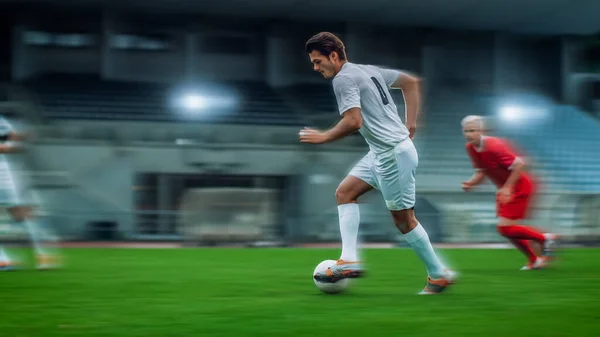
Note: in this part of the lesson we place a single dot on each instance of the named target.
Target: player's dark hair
(326, 43)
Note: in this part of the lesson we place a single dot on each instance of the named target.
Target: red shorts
(518, 206)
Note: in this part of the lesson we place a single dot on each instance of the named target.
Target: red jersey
(495, 158)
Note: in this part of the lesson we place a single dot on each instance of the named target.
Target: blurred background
(176, 120)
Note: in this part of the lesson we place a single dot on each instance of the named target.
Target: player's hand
(312, 136)
(466, 186)
(504, 195)
(412, 128)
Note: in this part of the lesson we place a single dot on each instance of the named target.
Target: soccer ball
(329, 288)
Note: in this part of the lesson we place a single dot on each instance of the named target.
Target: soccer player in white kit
(19, 199)
(364, 101)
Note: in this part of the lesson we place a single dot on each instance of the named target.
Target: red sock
(523, 246)
(521, 233)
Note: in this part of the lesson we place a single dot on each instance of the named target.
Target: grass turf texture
(270, 292)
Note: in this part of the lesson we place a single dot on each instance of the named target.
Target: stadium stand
(564, 158)
(315, 99)
(85, 97)
(568, 145)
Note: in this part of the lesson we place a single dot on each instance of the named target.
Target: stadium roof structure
(519, 16)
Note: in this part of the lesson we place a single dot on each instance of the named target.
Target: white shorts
(393, 173)
(15, 193)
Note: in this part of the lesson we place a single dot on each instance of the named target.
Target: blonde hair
(473, 119)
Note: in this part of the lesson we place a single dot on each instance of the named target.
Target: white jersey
(5, 129)
(367, 87)
(13, 187)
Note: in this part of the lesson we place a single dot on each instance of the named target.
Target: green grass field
(270, 292)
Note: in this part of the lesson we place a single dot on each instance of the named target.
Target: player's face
(472, 133)
(323, 64)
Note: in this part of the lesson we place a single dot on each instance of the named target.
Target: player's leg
(510, 215)
(6, 263)
(23, 215)
(358, 182)
(417, 238)
(439, 276)
(6, 197)
(347, 194)
(523, 245)
(520, 233)
(396, 173)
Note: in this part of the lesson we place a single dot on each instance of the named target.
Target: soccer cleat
(47, 262)
(540, 263)
(549, 248)
(8, 266)
(341, 270)
(436, 286)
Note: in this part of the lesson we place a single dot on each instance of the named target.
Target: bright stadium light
(203, 102)
(511, 113)
(194, 102)
(524, 111)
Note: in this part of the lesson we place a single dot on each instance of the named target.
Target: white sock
(35, 234)
(419, 242)
(349, 221)
(3, 257)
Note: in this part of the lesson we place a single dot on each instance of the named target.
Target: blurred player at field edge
(18, 198)
(494, 158)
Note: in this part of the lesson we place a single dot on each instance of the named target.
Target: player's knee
(343, 196)
(18, 213)
(405, 220)
(502, 228)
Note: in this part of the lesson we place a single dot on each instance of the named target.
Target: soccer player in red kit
(495, 159)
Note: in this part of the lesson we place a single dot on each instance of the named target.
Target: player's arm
(516, 169)
(17, 136)
(8, 142)
(348, 98)
(9, 138)
(507, 158)
(350, 123)
(477, 178)
(9, 148)
(411, 89)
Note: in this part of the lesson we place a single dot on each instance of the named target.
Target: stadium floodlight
(528, 111)
(511, 113)
(194, 102)
(531, 115)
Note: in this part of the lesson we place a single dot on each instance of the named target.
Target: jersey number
(382, 93)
